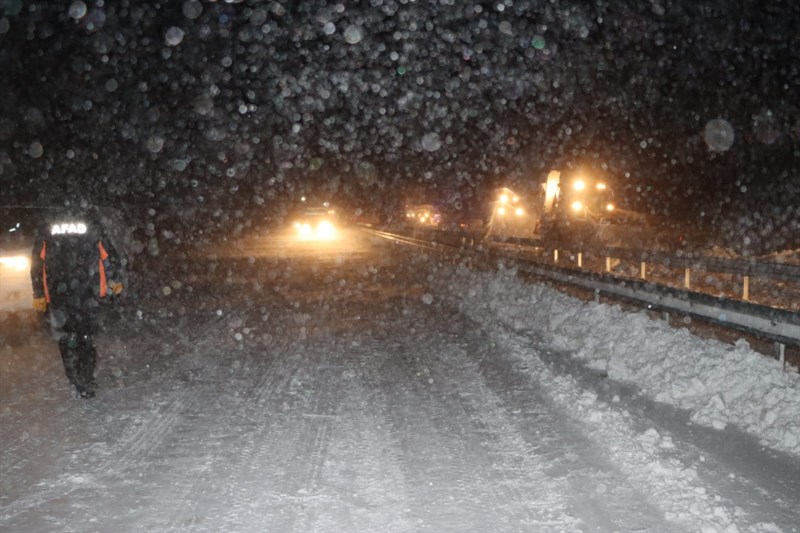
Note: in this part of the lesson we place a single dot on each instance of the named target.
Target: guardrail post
(665, 315)
(780, 353)
(608, 264)
(555, 256)
(643, 274)
(687, 278)
(746, 288)
(580, 259)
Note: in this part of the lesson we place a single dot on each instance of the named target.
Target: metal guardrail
(775, 324)
(779, 325)
(681, 259)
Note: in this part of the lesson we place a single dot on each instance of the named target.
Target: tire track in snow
(468, 473)
(318, 423)
(343, 478)
(134, 447)
(248, 483)
(360, 478)
(242, 421)
(154, 429)
(273, 474)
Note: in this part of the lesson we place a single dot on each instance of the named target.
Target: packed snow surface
(366, 387)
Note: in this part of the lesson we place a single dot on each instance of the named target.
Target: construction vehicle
(576, 210)
(579, 212)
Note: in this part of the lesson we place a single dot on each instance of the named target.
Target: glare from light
(579, 185)
(325, 230)
(501, 211)
(601, 186)
(503, 198)
(515, 199)
(304, 230)
(16, 262)
(577, 205)
(551, 189)
(609, 207)
(519, 211)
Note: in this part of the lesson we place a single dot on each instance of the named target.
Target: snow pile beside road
(644, 456)
(720, 384)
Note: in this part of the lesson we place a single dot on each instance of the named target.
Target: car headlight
(16, 262)
(303, 229)
(325, 230)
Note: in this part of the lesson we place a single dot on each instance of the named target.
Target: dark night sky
(221, 105)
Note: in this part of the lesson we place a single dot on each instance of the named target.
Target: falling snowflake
(77, 10)
(192, 9)
(719, 135)
(431, 142)
(353, 34)
(173, 36)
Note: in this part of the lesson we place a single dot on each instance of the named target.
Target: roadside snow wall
(718, 383)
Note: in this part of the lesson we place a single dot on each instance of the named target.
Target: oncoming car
(317, 223)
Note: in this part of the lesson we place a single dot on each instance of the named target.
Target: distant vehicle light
(501, 211)
(610, 207)
(16, 262)
(305, 230)
(515, 199)
(577, 205)
(325, 230)
(519, 211)
(601, 186)
(579, 185)
(315, 230)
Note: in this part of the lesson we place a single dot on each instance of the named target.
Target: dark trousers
(74, 328)
(79, 356)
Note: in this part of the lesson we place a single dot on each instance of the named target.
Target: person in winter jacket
(73, 268)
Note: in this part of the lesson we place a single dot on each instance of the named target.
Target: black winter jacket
(72, 260)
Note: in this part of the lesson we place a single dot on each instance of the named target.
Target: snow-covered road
(279, 387)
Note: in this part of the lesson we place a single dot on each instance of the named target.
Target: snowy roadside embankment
(718, 383)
